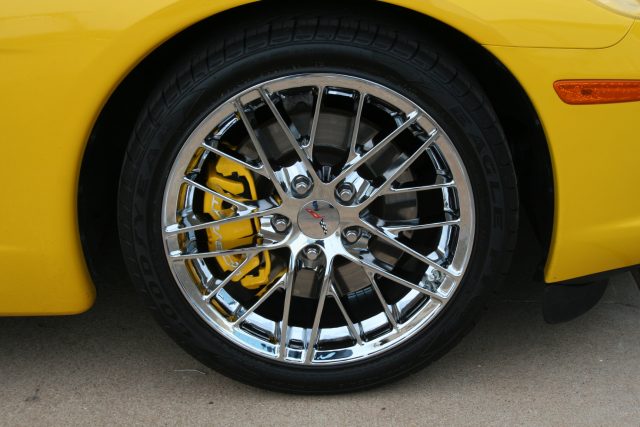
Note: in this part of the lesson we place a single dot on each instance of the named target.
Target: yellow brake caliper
(228, 178)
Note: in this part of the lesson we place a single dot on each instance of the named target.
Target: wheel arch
(106, 146)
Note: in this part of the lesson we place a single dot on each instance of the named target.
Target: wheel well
(106, 148)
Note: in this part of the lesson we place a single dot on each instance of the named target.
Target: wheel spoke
(287, 131)
(359, 160)
(314, 122)
(257, 169)
(393, 241)
(227, 279)
(177, 256)
(356, 127)
(383, 302)
(393, 190)
(196, 225)
(280, 188)
(398, 228)
(241, 206)
(279, 284)
(326, 285)
(373, 267)
(347, 318)
(398, 169)
(284, 325)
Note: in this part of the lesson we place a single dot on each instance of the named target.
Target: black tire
(246, 53)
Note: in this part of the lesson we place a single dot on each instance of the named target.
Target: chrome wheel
(318, 219)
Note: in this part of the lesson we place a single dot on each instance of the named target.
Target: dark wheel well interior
(106, 148)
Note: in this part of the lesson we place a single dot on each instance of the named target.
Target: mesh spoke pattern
(375, 175)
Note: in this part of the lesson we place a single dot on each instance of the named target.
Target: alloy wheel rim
(321, 215)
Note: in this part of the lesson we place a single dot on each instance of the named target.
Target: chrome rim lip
(367, 349)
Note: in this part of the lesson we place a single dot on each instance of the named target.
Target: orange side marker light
(581, 92)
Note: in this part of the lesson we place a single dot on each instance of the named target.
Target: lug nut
(280, 223)
(345, 192)
(312, 252)
(351, 235)
(301, 184)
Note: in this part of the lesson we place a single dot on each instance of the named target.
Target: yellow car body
(61, 60)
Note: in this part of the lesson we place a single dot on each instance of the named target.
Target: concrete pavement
(114, 366)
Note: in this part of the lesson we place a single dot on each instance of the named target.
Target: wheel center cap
(318, 219)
